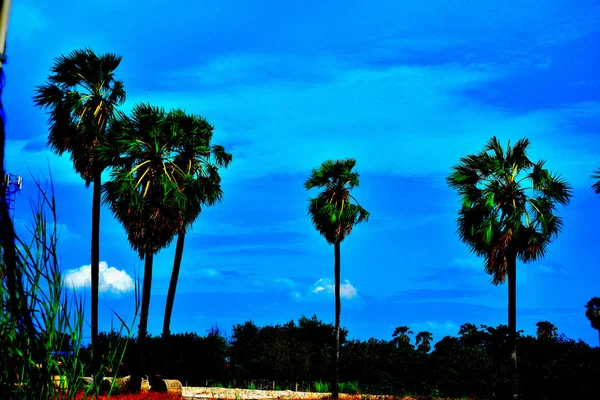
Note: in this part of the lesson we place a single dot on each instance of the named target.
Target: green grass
(321, 387)
(349, 387)
(252, 386)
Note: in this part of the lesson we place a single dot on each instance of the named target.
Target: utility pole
(3, 27)
(4, 12)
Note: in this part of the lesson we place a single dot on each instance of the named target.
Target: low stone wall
(247, 394)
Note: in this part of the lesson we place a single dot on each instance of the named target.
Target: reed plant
(41, 320)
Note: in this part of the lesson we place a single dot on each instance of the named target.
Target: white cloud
(247, 69)
(111, 279)
(274, 284)
(467, 263)
(209, 273)
(437, 328)
(325, 287)
(284, 282)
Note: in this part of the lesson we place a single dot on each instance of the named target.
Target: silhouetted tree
(546, 330)
(596, 185)
(502, 219)
(423, 341)
(334, 214)
(592, 313)
(82, 96)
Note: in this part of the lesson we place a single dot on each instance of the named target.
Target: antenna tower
(13, 185)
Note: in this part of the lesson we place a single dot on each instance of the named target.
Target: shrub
(349, 387)
(321, 387)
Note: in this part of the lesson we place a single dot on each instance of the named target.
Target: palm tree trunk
(135, 383)
(512, 322)
(95, 257)
(143, 328)
(338, 309)
(173, 284)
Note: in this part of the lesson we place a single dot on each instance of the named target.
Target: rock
(87, 381)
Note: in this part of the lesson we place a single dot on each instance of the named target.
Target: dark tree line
(475, 363)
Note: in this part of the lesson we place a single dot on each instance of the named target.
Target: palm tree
(546, 330)
(423, 341)
(592, 312)
(334, 215)
(201, 185)
(82, 95)
(596, 185)
(502, 220)
(145, 192)
(400, 336)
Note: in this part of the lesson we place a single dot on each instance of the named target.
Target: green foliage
(252, 386)
(81, 96)
(592, 312)
(474, 364)
(596, 185)
(508, 205)
(293, 351)
(332, 211)
(349, 387)
(143, 192)
(546, 330)
(423, 340)
(321, 387)
(41, 323)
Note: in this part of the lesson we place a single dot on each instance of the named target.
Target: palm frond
(596, 185)
(494, 145)
(516, 156)
(498, 218)
(81, 96)
(333, 213)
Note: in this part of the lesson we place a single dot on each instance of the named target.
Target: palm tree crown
(592, 312)
(146, 187)
(197, 162)
(333, 214)
(82, 95)
(500, 217)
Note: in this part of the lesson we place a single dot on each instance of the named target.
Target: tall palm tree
(145, 192)
(334, 215)
(596, 185)
(592, 312)
(82, 96)
(201, 185)
(502, 219)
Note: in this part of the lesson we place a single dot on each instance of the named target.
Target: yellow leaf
(147, 187)
(138, 166)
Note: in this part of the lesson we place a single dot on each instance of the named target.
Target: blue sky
(406, 88)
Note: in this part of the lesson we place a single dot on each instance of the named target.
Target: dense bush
(475, 363)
